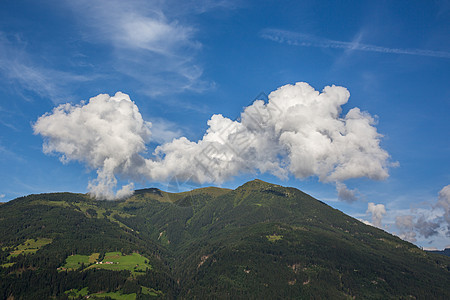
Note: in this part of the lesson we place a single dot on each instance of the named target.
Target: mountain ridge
(259, 240)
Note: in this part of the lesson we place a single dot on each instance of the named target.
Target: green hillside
(260, 241)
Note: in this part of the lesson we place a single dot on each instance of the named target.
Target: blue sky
(181, 62)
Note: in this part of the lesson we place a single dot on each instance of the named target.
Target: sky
(347, 101)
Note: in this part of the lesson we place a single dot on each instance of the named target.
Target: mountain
(446, 251)
(259, 241)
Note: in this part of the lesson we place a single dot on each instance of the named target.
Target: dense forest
(260, 241)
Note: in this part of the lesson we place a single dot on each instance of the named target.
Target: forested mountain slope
(260, 241)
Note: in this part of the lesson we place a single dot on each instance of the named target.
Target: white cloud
(427, 222)
(157, 51)
(307, 40)
(365, 222)
(153, 34)
(425, 227)
(17, 66)
(377, 211)
(444, 203)
(133, 24)
(406, 225)
(409, 236)
(346, 194)
(201, 6)
(299, 132)
(410, 227)
(164, 131)
(107, 134)
(430, 248)
(145, 43)
(405, 222)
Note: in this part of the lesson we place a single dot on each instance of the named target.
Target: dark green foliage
(260, 241)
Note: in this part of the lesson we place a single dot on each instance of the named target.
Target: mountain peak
(256, 184)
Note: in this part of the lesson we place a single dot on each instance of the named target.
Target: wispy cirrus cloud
(6, 154)
(146, 44)
(133, 25)
(21, 68)
(307, 40)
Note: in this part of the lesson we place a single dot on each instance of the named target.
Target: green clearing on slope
(152, 292)
(74, 262)
(114, 261)
(116, 295)
(84, 293)
(30, 246)
(74, 293)
(94, 257)
(274, 237)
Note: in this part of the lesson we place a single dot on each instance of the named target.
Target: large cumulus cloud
(299, 131)
(107, 134)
